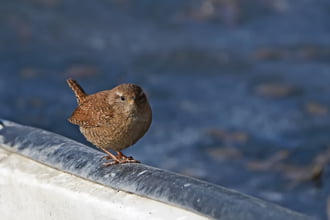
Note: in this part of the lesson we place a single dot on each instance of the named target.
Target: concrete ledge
(24, 152)
(31, 190)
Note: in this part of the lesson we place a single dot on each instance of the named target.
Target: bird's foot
(120, 158)
(107, 157)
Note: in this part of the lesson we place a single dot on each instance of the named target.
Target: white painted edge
(33, 191)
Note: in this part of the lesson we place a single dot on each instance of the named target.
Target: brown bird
(112, 119)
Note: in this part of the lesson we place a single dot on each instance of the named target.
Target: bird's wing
(92, 114)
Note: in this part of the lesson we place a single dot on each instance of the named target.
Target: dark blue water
(230, 83)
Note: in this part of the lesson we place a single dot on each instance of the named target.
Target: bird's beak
(131, 101)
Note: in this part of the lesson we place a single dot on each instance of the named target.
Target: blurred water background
(240, 89)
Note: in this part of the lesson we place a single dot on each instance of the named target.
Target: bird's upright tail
(78, 91)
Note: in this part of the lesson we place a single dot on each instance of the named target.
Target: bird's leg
(121, 155)
(120, 158)
(110, 156)
(126, 159)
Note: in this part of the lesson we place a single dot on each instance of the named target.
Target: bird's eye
(123, 98)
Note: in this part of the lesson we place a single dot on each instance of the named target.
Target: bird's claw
(121, 160)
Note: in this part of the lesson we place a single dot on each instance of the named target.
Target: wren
(112, 119)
